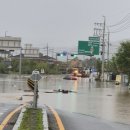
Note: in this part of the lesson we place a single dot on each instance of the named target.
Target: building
(30, 52)
(8, 44)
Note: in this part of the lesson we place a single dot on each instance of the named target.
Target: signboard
(118, 78)
(94, 38)
(88, 48)
(35, 76)
(83, 48)
(95, 46)
(42, 71)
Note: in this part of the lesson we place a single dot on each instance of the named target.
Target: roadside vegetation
(119, 63)
(121, 60)
(32, 120)
(28, 66)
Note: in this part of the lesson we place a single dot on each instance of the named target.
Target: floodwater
(103, 100)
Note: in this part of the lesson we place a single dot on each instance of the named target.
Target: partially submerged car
(70, 77)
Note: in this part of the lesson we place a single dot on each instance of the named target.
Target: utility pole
(52, 53)
(6, 33)
(103, 49)
(47, 53)
(108, 45)
(100, 31)
(20, 62)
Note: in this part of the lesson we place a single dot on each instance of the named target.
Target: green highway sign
(95, 46)
(95, 41)
(88, 48)
(83, 48)
(94, 38)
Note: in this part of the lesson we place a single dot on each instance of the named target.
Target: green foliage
(3, 68)
(120, 63)
(123, 57)
(32, 119)
(28, 66)
(15, 65)
(98, 65)
(113, 65)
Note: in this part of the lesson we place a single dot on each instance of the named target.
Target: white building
(30, 51)
(8, 44)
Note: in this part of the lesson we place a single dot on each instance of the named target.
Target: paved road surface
(75, 121)
(5, 109)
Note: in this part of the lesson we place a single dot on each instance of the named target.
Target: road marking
(59, 122)
(5, 121)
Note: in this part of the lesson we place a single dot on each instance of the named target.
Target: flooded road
(103, 100)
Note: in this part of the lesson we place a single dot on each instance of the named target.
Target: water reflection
(105, 100)
(11, 84)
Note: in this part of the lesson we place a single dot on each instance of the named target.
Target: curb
(19, 120)
(9, 116)
(45, 119)
(59, 122)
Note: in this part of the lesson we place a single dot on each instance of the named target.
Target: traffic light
(73, 55)
(101, 52)
(59, 54)
(64, 53)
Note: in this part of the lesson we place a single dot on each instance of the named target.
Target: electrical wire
(125, 19)
(121, 29)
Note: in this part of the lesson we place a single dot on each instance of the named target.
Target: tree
(98, 67)
(123, 58)
(15, 65)
(3, 68)
(113, 65)
(28, 66)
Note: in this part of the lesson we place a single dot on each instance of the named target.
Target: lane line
(5, 121)
(59, 122)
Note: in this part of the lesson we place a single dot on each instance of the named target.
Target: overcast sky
(60, 23)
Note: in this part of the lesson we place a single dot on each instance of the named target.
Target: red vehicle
(70, 77)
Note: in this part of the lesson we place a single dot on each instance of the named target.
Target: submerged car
(70, 77)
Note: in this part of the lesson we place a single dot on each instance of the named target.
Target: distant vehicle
(79, 75)
(35, 72)
(75, 72)
(85, 73)
(70, 77)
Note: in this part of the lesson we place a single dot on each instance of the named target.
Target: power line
(125, 19)
(121, 29)
(123, 24)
